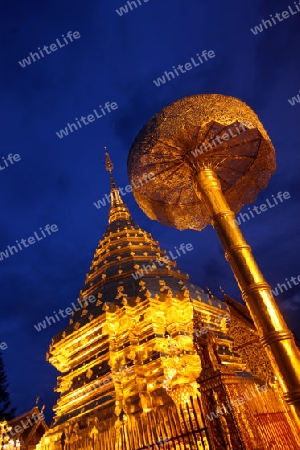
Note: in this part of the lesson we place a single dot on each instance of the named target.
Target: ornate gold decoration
(164, 148)
(191, 190)
(131, 375)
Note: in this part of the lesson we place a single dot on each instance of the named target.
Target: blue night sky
(56, 181)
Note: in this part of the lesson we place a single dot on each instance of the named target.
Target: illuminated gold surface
(257, 294)
(133, 364)
(164, 147)
(128, 364)
(4, 428)
(247, 419)
(191, 192)
(117, 208)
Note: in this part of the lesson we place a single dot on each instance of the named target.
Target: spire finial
(108, 162)
(117, 208)
(109, 167)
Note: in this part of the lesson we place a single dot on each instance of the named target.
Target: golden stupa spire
(118, 210)
(109, 167)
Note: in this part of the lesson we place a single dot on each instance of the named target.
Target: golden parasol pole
(187, 193)
(274, 332)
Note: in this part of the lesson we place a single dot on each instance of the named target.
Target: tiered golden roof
(128, 360)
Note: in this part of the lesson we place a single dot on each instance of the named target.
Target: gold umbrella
(210, 155)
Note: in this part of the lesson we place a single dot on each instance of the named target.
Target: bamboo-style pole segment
(256, 292)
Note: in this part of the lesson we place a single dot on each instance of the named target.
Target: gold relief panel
(89, 373)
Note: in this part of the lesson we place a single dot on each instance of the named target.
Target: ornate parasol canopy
(211, 130)
(210, 155)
